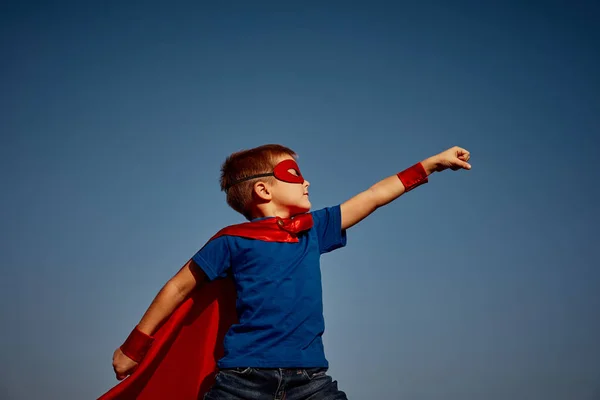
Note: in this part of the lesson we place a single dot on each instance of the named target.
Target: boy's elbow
(375, 198)
(188, 278)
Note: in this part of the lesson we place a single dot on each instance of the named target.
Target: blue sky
(115, 119)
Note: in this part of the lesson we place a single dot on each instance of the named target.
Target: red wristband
(137, 344)
(413, 177)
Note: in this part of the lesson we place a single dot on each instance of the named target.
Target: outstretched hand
(454, 158)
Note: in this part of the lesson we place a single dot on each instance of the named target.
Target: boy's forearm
(163, 305)
(173, 293)
(380, 194)
(140, 339)
(390, 188)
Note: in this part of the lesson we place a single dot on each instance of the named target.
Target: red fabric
(281, 172)
(182, 362)
(413, 177)
(271, 229)
(137, 344)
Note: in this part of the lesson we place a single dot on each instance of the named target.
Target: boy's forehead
(284, 157)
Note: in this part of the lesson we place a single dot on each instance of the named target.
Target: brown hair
(243, 164)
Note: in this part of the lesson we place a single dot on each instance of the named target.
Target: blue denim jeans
(274, 384)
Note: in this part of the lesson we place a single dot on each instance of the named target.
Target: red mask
(281, 171)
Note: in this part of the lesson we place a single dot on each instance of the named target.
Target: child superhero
(243, 318)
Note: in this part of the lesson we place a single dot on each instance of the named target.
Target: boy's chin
(300, 210)
(306, 207)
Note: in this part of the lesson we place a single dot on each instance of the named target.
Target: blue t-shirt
(279, 295)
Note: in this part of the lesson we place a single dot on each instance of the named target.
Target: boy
(275, 349)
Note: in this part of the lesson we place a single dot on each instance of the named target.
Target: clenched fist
(123, 365)
(454, 158)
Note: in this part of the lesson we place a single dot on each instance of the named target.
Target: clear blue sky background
(115, 119)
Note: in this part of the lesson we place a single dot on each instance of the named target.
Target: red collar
(274, 229)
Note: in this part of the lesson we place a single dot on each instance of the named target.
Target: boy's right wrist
(137, 345)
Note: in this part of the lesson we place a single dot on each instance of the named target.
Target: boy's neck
(267, 211)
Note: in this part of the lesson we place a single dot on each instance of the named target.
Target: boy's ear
(261, 189)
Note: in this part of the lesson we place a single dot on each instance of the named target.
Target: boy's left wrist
(430, 164)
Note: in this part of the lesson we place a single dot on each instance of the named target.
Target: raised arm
(392, 187)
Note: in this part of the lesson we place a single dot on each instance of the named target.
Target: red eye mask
(281, 172)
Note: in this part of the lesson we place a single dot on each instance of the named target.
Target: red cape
(182, 362)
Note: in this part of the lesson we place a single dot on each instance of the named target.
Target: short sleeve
(328, 225)
(214, 258)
